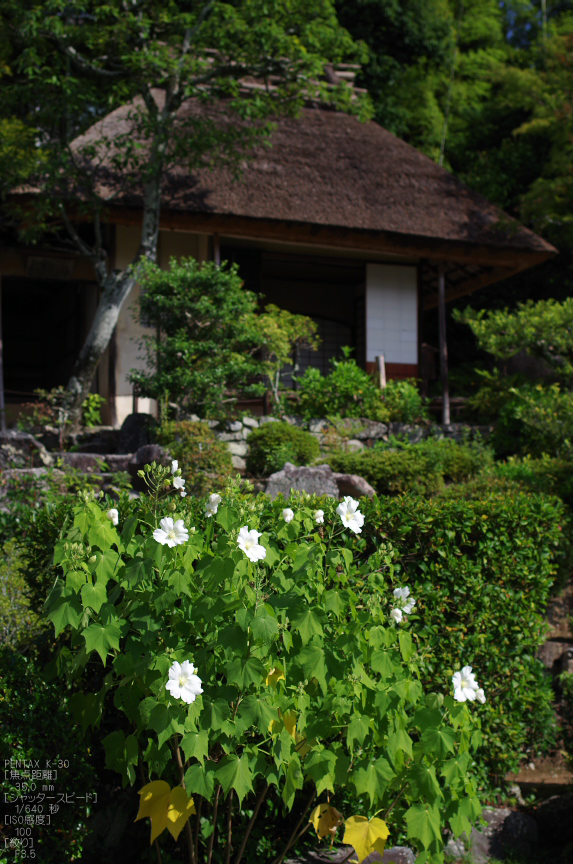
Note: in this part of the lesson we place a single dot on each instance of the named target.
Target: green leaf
(166, 721)
(254, 711)
(264, 626)
(243, 673)
(106, 565)
(94, 596)
(438, 740)
(423, 821)
(424, 778)
(64, 608)
(102, 639)
(358, 729)
(294, 780)
(311, 660)
(103, 534)
(128, 529)
(308, 625)
(121, 755)
(399, 740)
(234, 773)
(455, 770)
(201, 779)
(214, 713)
(373, 778)
(383, 663)
(180, 582)
(139, 570)
(195, 745)
(321, 767)
(406, 647)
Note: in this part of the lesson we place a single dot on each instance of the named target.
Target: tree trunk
(116, 287)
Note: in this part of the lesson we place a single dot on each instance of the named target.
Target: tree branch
(252, 821)
(84, 65)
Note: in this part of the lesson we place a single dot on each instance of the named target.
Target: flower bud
(92, 560)
(173, 506)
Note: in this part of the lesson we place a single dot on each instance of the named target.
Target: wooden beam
(493, 275)
(392, 242)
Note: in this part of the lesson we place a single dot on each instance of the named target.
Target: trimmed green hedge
(205, 461)
(481, 572)
(422, 469)
(273, 444)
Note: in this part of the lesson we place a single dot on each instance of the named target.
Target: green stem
(189, 833)
(295, 835)
(213, 832)
(229, 826)
(252, 821)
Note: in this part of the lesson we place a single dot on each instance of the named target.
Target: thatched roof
(328, 169)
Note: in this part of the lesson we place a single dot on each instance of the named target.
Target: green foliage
(35, 724)
(481, 569)
(552, 476)
(275, 443)
(403, 402)
(536, 420)
(347, 391)
(91, 410)
(421, 469)
(18, 624)
(205, 462)
(279, 334)
(205, 322)
(347, 712)
(543, 329)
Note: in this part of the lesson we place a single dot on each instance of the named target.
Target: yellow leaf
(326, 820)
(166, 807)
(181, 807)
(302, 749)
(365, 836)
(274, 676)
(154, 802)
(289, 719)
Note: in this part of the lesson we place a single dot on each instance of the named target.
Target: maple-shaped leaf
(365, 835)
(153, 802)
(166, 807)
(326, 820)
(181, 807)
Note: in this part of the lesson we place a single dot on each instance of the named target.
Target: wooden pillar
(216, 250)
(443, 345)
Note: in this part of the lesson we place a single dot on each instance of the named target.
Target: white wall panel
(391, 313)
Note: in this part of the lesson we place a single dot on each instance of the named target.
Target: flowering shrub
(203, 459)
(276, 443)
(254, 665)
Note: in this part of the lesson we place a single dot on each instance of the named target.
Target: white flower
(183, 683)
(465, 685)
(174, 466)
(212, 504)
(178, 482)
(183, 493)
(288, 514)
(402, 593)
(409, 606)
(113, 515)
(171, 533)
(350, 514)
(247, 541)
(480, 695)
(396, 614)
(319, 516)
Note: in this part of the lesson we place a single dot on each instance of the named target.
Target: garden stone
(136, 431)
(268, 419)
(251, 422)
(235, 426)
(554, 818)
(317, 425)
(229, 436)
(414, 434)
(22, 450)
(362, 429)
(239, 463)
(455, 848)
(246, 432)
(485, 840)
(353, 485)
(144, 456)
(89, 462)
(292, 420)
(316, 481)
(238, 448)
(213, 424)
(100, 439)
(354, 445)
(395, 855)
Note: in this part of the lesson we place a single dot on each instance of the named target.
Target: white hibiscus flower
(183, 683)
(171, 533)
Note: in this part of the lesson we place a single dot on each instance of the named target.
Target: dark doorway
(43, 328)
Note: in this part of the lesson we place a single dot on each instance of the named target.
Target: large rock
(137, 431)
(353, 485)
(316, 481)
(92, 462)
(144, 456)
(319, 480)
(22, 450)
